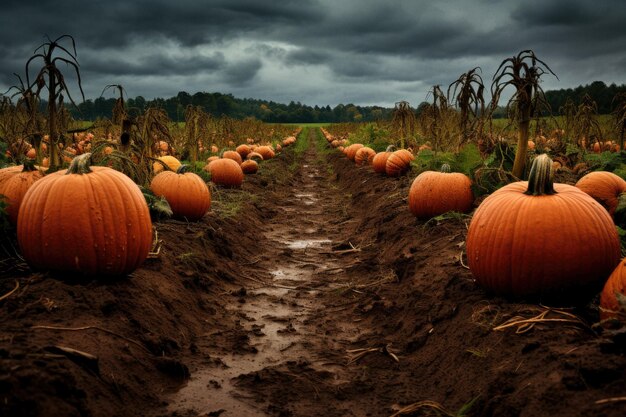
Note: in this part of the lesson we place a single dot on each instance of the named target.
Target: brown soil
(310, 292)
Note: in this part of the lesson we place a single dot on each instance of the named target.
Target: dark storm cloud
(369, 50)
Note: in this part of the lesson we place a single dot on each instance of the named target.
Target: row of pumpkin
(94, 220)
(534, 238)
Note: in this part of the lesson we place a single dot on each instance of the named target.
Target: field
(310, 290)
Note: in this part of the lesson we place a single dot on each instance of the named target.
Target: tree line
(219, 104)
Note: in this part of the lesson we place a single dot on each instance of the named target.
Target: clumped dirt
(310, 291)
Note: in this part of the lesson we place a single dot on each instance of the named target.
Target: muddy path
(300, 264)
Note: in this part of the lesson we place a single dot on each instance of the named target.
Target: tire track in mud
(287, 332)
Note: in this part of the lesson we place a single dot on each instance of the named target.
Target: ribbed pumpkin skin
(265, 151)
(96, 223)
(379, 162)
(14, 182)
(398, 162)
(243, 150)
(433, 193)
(187, 194)
(226, 172)
(523, 245)
(364, 156)
(605, 187)
(615, 283)
(351, 150)
(232, 155)
(249, 166)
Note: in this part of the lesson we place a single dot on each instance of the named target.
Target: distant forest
(219, 104)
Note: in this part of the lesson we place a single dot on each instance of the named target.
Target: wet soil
(311, 291)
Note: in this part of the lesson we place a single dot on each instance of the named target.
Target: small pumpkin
(605, 187)
(249, 166)
(364, 156)
(379, 161)
(235, 156)
(610, 306)
(351, 150)
(243, 150)
(14, 182)
(532, 238)
(226, 172)
(186, 192)
(265, 151)
(398, 162)
(171, 162)
(433, 193)
(89, 220)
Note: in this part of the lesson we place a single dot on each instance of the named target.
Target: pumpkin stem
(445, 168)
(81, 164)
(540, 181)
(29, 165)
(391, 148)
(182, 169)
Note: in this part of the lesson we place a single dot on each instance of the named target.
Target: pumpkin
(243, 150)
(610, 306)
(226, 172)
(533, 238)
(212, 158)
(265, 151)
(433, 193)
(255, 155)
(171, 162)
(249, 166)
(232, 155)
(186, 192)
(379, 161)
(398, 162)
(89, 220)
(605, 187)
(364, 156)
(14, 182)
(350, 150)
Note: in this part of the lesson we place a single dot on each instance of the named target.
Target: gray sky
(318, 52)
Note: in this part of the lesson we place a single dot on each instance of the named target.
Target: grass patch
(227, 203)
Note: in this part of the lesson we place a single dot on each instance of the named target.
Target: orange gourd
(14, 182)
(226, 172)
(605, 187)
(186, 192)
(533, 239)
(364, 156)
(89, 220)
(398, 163)
(433, 193)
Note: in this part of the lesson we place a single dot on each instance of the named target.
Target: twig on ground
(7, 295)
(75, 329)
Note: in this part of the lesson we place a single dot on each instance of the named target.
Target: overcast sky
(317, 52)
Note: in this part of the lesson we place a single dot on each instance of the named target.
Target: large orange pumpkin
(605, 187)
(226, 172)
(14, 182)
(398, 163)
(364, 156)
(537, 238)
(186, 192)
(90, 220)
(433, 193)
(610, 306)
